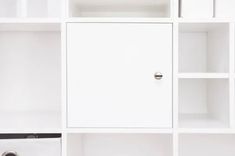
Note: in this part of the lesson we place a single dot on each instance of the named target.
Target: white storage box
(197, 8)
(29, 147)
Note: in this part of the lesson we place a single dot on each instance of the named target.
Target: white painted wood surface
(111, 71)
(203, 65)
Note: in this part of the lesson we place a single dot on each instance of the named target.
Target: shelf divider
(203, 75)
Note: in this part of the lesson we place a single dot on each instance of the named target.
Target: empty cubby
(120, 8)
(203, 103)
(119, 144)
(203, 47)
(30, 76)
(206, 144)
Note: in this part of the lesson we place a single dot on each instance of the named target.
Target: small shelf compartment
(204, 103)
(203, 47)
(206, 144)
(107, 144)
(30, 80)
(119, 8)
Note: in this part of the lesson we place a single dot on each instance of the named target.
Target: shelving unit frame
(175, 131)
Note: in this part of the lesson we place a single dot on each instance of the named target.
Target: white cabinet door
(111, 68)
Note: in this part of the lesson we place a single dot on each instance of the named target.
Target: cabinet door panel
(111, 69)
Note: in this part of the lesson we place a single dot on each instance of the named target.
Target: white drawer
(29, 147)
(197, 8)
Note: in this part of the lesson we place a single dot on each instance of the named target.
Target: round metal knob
(10, 153)
(158, 76)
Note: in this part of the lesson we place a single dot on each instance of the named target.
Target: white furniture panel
(225, 9)
(203, 103)
(119, 8)
(111, 69)
(206, 144)
(204, 47)
(119, 144)
(30, 76)
(197, 8)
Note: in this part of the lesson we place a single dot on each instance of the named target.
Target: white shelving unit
(200, 78)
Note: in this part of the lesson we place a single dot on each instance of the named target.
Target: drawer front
(29, 147)
(197, 8)
(114, 75)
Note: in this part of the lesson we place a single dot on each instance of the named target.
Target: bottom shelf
(200, 120)
(119, 144)
(30, 121)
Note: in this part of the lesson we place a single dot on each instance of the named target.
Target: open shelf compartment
(119, 8)
(30, 8)
(206, 144)
(30, 76)
(203, 47)
(204, 103)
(107, 144)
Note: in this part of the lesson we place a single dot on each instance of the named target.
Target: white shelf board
(121, 20)
(199, 121)
(206, 131)
(30, 121)
(30, 20)
(119, 130)
(203, 20)
(203, 75)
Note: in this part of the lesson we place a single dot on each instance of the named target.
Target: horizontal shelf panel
(38, 27)
(203, 75)
(118, 130)
(206, 131)
(30, 20)
(122, 20)
(206, 20)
